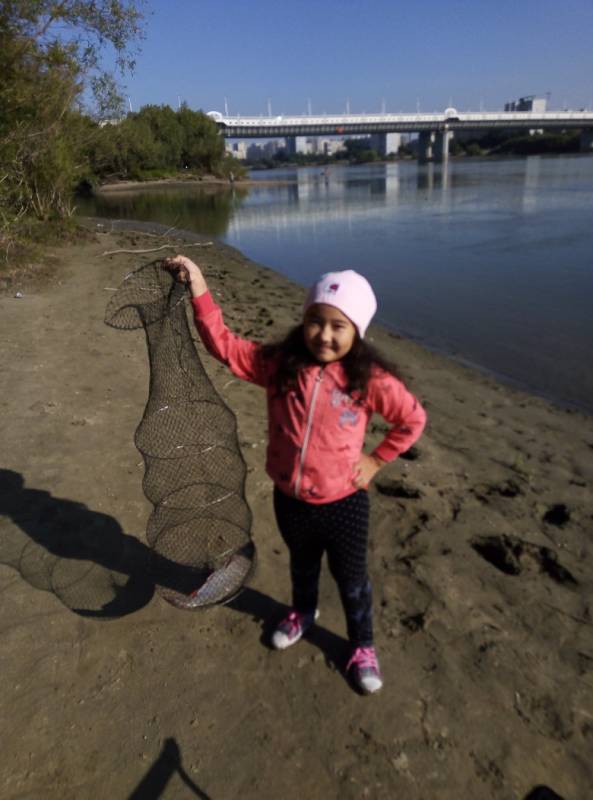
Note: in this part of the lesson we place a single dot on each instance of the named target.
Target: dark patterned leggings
(340, 529)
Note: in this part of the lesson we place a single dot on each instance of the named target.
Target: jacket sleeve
(390, 398)
(242, 357)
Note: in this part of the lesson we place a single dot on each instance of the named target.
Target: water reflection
(433, 176)
(315, 197)
(531, 184)
(193, 208)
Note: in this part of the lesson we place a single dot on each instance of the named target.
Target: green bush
(474, 149)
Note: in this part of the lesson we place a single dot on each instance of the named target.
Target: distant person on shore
(323, 383)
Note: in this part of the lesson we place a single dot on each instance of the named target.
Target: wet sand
(481, 559)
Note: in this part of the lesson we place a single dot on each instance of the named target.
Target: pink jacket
(316, 432)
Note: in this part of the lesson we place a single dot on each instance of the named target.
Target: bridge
(435, 130)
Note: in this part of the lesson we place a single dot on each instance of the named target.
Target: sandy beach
(481, 559)
(203, 182)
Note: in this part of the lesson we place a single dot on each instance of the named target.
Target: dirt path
(481, 559)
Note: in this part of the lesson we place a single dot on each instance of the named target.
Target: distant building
(236, 149)
(317, 145)
(530, 103)
(258, 150)
(327, 146)
(271, 147)
(313, 145)
(333, 146)
(254, 152)
(302, 145)
(385, 143)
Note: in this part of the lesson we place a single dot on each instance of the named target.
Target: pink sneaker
(291, 629)
(363, 668)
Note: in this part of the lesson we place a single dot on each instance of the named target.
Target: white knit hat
(347, 291)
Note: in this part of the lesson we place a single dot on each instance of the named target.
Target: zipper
(318, 379)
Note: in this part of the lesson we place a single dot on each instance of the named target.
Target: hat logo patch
(333, 287)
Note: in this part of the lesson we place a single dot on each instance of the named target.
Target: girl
(323, 383)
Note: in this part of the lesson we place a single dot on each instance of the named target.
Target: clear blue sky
(431, 52)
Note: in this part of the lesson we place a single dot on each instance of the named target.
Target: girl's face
(328, 333)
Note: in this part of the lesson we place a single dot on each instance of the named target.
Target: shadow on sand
(269, 612)
(81, 556)
(154, 783)
(86, 560)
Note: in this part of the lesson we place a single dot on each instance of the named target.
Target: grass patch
(23, 249)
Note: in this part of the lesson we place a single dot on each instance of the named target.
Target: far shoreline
(180, 182)
(217, 183)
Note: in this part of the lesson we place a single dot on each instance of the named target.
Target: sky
(288, 57)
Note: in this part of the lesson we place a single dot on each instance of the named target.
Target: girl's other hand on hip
(365, 470)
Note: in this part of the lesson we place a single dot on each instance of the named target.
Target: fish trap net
(199, 529)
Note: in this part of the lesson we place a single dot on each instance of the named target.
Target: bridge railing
(537, 119)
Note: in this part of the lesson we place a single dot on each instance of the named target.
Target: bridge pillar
(425, 146)
(442, 145)
(586, 140)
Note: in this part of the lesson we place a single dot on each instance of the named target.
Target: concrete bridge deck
(449, 120)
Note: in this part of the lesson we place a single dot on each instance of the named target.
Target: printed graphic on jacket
(348, 415)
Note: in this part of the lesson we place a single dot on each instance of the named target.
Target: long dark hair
(292, 355)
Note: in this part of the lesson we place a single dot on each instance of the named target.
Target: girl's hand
(366, 469)
(185, 271)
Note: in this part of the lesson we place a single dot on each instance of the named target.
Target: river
(490, 261)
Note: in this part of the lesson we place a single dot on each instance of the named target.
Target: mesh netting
(194, 475)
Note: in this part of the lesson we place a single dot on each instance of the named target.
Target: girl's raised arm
(241, 356)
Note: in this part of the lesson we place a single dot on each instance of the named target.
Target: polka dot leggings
(339, 529)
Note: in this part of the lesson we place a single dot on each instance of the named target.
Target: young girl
(323, 383)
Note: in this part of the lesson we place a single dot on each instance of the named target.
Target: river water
(490, 261)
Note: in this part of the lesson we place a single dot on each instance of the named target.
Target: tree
(359, 152)
(203, 148)
(49, 53)
(168, 134)
(76, 32)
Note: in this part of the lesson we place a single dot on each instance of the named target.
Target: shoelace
(364, 658)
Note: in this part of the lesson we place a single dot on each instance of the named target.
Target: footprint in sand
(513, 556)
(557, 515)
(398, 489)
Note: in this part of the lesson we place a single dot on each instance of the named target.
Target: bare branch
(154, 249)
